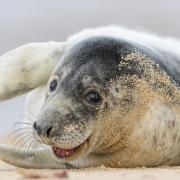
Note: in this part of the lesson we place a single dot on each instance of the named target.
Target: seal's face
(75, 93)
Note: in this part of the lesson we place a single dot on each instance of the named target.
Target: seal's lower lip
(62, 153)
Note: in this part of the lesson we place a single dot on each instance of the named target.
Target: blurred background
(43, 20)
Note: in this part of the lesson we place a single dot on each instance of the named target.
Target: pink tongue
(63, 152)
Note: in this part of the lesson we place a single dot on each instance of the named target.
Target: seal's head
(76, 93)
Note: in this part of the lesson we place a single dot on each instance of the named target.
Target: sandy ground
(166, 173)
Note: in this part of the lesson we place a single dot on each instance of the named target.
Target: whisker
(20, 139)
(22, 123)
(16, 136)
(19, 129)
(13, 133)
(34, 148)
(29, 146)
(23, 143)
(36, 152)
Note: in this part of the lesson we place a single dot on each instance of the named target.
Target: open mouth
(62, 153)
(65, 153)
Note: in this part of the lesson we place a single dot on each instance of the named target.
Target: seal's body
(105, 96)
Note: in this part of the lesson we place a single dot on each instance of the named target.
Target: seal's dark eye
(53, 85)
(93, 97)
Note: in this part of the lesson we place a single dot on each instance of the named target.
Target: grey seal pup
(106, 96)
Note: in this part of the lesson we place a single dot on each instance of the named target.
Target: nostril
(49, 131)
(36, 128)
(35, 125)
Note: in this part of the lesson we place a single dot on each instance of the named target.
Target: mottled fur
(138, 77)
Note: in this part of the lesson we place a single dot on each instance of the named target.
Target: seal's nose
(42, 131)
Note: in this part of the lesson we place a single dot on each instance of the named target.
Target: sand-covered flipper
(28, 67)
(41, 159)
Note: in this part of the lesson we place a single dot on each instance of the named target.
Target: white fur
(27, 67)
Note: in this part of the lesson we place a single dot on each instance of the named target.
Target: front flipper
(42, 159)
(28, 67)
